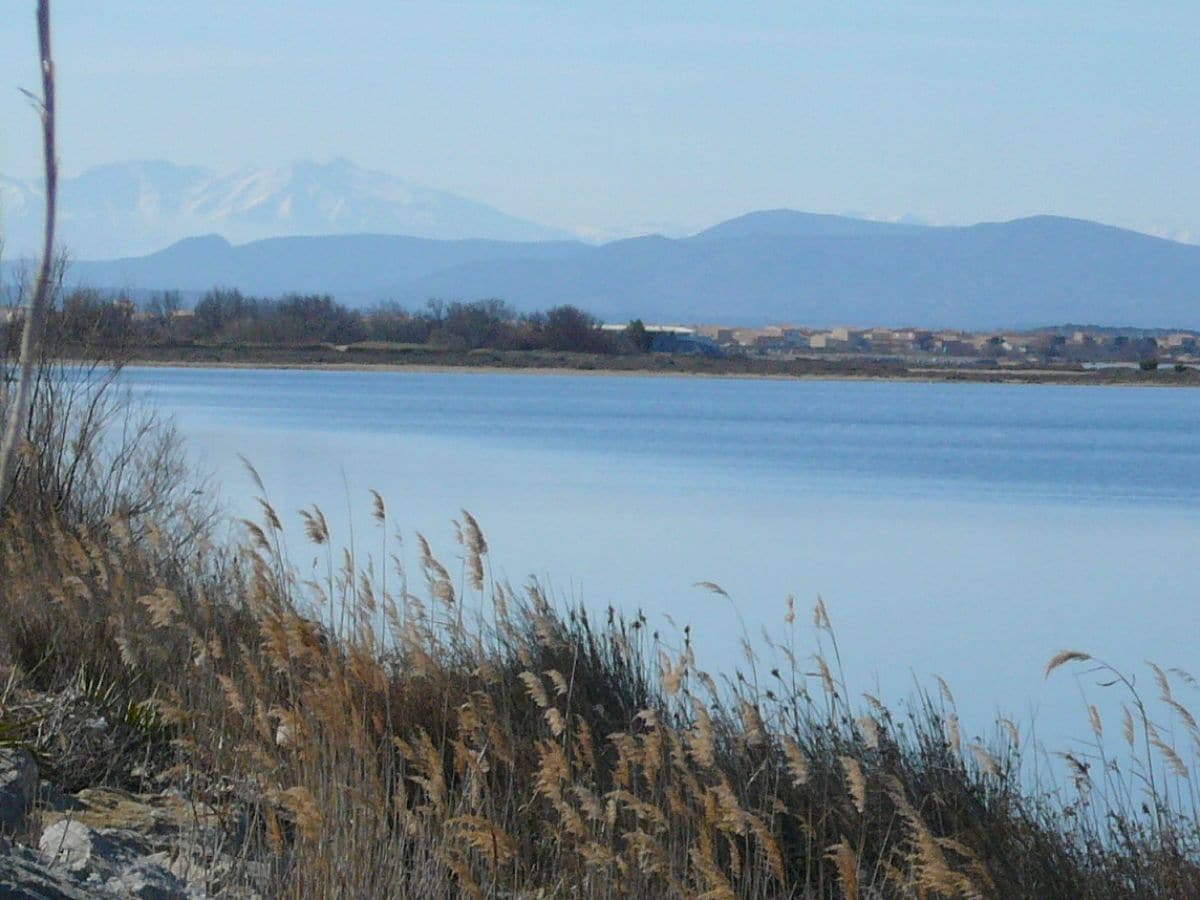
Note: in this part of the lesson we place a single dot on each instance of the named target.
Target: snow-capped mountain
(132, 208)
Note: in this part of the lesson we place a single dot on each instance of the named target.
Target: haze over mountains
(132, 208)
(774, 266)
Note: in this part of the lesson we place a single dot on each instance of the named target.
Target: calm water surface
(965, 530)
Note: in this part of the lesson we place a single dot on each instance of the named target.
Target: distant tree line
(226, 316)
(230, 316)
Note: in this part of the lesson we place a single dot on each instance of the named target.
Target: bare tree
(17, 409)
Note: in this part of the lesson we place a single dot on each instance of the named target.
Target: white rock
(114, 861)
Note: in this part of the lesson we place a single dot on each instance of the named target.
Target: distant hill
(789, 223)
(132, 208)
(777, 266)
(358, 268)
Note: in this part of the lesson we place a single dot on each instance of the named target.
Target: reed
(478, 740)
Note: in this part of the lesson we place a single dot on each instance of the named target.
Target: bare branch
(17, 410)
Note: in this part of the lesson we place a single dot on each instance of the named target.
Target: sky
(622, 116)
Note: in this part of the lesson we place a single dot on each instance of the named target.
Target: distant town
(1060, 345)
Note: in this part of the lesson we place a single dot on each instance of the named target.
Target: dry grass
(383, 732)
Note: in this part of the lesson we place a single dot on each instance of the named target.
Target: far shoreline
(496, 362)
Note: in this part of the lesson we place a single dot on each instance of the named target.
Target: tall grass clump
(381, 728)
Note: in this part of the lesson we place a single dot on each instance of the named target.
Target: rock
(147, 880)
(109, 860)
(77, 848)
(18, 787)
(104, 842)
(184, 836)
(167, 814)
(25, 877)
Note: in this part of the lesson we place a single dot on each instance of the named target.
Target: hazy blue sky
(620, 114)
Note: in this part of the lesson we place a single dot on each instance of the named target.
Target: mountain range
(366, 238)
(778, 266)
(132, 208)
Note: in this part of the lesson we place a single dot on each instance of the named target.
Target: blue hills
(771, 266)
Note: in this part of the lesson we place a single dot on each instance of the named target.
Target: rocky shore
(102, 840)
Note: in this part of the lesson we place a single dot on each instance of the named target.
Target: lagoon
(963, 530)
